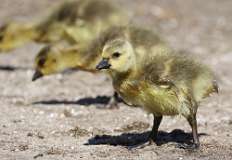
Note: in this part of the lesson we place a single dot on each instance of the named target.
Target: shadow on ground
(131, 139)
(11, 68)
(99, 100)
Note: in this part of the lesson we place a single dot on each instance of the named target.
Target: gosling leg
(114, 100)
(196, 143)
(154, 132)
(193, 123)
(152, 138)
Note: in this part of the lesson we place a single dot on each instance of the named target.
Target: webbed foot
(193, 146)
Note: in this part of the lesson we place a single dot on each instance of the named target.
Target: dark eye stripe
(41, 62)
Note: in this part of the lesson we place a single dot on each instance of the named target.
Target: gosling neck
(29, 31)
(129, 73)
(71, 58)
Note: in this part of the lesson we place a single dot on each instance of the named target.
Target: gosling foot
(112, 105)
(141, 145)
(193, 146)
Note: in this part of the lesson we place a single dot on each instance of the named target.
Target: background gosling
(162, 81)
(81, 18)
(56, 58)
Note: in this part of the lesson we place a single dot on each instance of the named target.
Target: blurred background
(54, 117)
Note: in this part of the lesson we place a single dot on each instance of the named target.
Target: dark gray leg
(193, 123)
(153, 135)
(196, 143)
(114, 100)
(154, 132)
(116, 97)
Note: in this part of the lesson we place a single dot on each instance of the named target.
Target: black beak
(104, 64)
(37, 75)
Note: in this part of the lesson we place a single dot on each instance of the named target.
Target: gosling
(74, 21)
(162, 81)
(53, 59)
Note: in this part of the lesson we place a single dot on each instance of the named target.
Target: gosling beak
(104, 64)
(37, 75)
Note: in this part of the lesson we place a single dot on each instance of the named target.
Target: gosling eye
(116, 55)
(41, 62)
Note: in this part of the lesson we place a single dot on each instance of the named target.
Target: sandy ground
(63, 116)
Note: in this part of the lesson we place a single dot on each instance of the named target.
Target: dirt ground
(63, 116)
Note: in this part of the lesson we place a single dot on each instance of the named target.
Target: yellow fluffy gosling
(162, 81)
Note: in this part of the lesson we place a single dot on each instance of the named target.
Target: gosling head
(14, 35)
(48, 61)
(118, 56)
